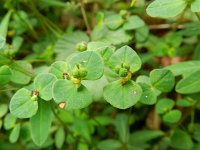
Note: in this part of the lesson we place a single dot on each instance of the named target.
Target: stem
(85, 16)
(64, 126)
(174, 28)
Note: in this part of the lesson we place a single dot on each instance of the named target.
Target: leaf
(141, 34)
(125, 55)
(166, 8)
(183, 68)
(133, 22)
(58, 68)
(103, 34)
(83, 146)
(2, 42)
(144, 136)
(91, 61)
(43, 83)
(109, 144)
(184, 102)
(162, 79)
(9, 121)
(173, 116)
(190, 84)
(181, 140)
(4, 24)
(164, 105)
(195, 6)
(122, 96)
(21, 72)
(5, 75)
(3, 109)
(14, 135)
(122, 127)
(59, 138)
(21, 104)
(114, 21)
(41, 123)
(66, 45)
(66, 91)
(149, 96)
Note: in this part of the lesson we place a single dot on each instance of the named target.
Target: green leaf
(184, 102)
(133, 22)
(9, 121)
(181, 140)
(149, 96)
(5, 75)
(21, 72)
(21, 104)
(2, 42)
(122, 96)
(91, 61)
(59, 138)
(141, 34)
(109, 144)
(114, 21)
(58, 68)
(122, 127)
(166, 8)
(43, 83)
(111, 36)
(66, 45)
(183, 68)
(125, 55)
(83, 146)
(66, 91)
(3, 109)
(172, 116)
(4, 24)
(190, 84)
(162, 79)
(41, 123)
(164, 105)
(195, 6)
(14, 135)
(144, 136)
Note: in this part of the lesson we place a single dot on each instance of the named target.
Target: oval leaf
(21, 72)
(162, 79)
(58, 68)
(21, 104)
(41, 123)
(190, 84)
(133, 22)
(9, 121)
(43, 84)
(172, 116)
(59, 138)
(166, 8)
(66, 91)
(5, 75)
(122, 96)
(164, 105)
(91, 60)
(148, 95)
(3, 110)
(14, 135)
(114, 21)
(125, 55)
(181, 140)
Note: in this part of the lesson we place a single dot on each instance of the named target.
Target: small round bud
(126, 66)
(75, 73)
(81, 46)
(123, 72)
(117, 68)
(82, 72)
(123, 13)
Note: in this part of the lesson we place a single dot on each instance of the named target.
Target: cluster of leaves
(114, 86)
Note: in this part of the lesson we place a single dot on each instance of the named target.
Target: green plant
(106, 79)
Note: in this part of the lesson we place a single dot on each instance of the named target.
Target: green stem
(174, 28)
(85, 16)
